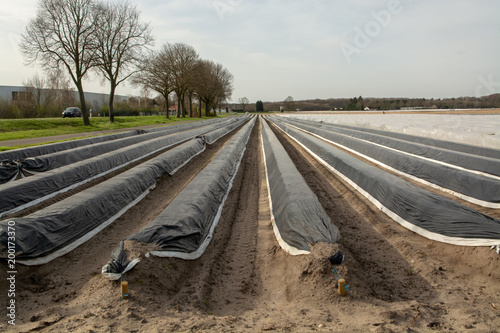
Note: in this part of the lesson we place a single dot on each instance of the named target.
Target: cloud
(13, 19)
(277, 48)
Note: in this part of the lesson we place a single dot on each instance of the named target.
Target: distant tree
(121, 40)
(46, 96)
(224, 83)
(289, 103)
(355, 104)
(352, 104)
(60, 93)
(35, 90)
(155, 74)
(243, 101)
(360, 105)
(259, 106)
(181, 62)
(490, 101)
(214, 84)
(63, 34)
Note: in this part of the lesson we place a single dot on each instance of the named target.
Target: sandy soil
(399, 281)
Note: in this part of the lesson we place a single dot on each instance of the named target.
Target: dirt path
(245, 283)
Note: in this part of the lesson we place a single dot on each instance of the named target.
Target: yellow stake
(342, 287)
(124, 286)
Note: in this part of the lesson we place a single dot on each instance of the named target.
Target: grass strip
(16, 129)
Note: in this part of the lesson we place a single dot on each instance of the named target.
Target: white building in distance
(93, 100)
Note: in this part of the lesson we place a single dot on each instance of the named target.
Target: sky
(315, 48)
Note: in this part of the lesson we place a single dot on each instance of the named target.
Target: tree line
(78, 37)
(360, 103)
(178, 68)
(243, 106)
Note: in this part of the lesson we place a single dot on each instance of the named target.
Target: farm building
(93, 100)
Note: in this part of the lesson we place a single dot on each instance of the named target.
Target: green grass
(12, 129)
(15, 129)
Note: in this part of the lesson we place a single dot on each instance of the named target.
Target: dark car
(72, 112)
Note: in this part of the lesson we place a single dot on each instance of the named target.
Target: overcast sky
(314, 48)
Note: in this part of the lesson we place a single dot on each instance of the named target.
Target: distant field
(426, 111)
(481, 128)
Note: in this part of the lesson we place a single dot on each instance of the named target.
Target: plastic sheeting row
(417, 209)
(33, 160)
(470, 161)
(61, 227)
(22, 153)
(471, 129)
(38, 188)
(479, 188)
(185, 228)
(297, 216)
(455, 146)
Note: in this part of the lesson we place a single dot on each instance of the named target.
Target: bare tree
(177, 68)
(224, 80)
(191, 91)
(155, 74)
(46, 96)
(203, 85)
(63, 34)
(289, 103)
(214, 84)
(190, 98)
(182, 60)
(36, 94)
(243, 101)
(121, 41)
(59, 94)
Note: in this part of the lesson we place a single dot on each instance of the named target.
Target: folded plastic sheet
(59, 228)
(466, 160)
(185, 228)
(480, 189)
(298, 218)
(417, 209)
(9, 170)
